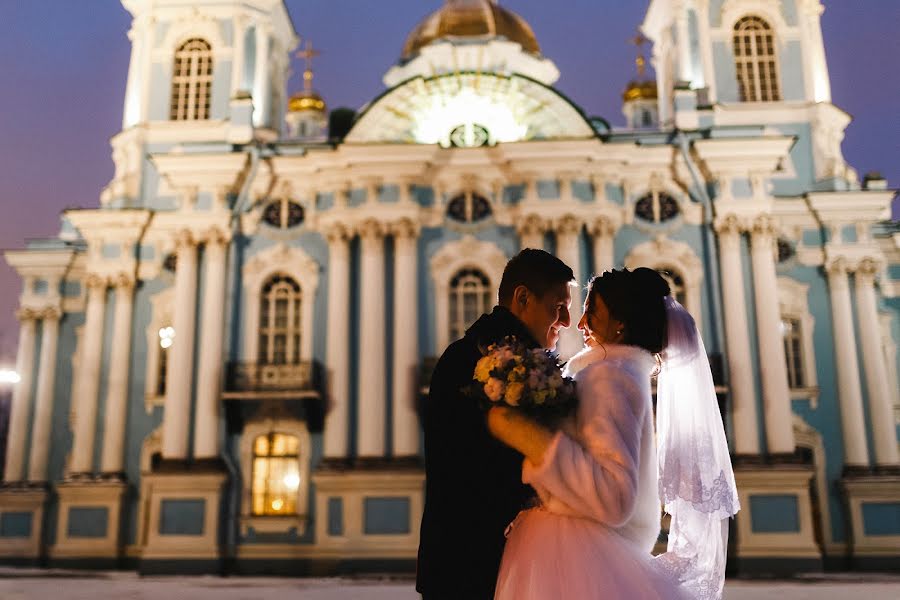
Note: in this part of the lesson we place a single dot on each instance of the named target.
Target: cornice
(743, 156)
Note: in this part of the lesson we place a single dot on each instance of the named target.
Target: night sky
(64, 63)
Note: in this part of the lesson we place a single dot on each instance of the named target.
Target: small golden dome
(640, 90)
(471, 18)
(302, 101)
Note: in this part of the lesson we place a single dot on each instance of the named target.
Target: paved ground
(18, 584)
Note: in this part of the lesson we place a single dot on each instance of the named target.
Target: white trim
(678, 256)
(890, 354)
(770, 10)
(793, 303)
(291, 261)
(281, 524)
(190, 26)
(466, 253)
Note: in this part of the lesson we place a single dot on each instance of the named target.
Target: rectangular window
(793, 351)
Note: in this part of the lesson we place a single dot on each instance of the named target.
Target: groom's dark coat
(473, 486)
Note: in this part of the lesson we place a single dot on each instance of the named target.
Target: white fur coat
(603, 466)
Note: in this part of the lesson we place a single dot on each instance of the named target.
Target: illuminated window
(283, 214)
(279, 321)
(192, 81)
(756, 60)
(276, 474)
(677, 288)
(469, 208)
(470, 297)
(792, 330)
(657, 207)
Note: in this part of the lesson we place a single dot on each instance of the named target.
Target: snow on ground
(32, 584)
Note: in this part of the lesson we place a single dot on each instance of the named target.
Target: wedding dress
(601, 488)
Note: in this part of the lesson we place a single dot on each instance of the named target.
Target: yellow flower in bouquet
(514, 393)
(484, 367)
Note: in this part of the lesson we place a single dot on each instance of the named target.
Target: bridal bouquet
(529, 379)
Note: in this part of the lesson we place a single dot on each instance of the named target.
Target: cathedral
(221, 365)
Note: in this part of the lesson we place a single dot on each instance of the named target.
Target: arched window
(756, 60)
(279, 322)
(166, 339)
(676, 284)
(468, 208)
(657, 207)
(192, 81)
(276, 474)
(470, 297)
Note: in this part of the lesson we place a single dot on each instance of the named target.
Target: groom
(473, 487)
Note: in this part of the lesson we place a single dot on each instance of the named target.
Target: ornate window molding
(460, 255)
(279, 327)
(275, 523)
(663, 254)
(756, 58)
(770, 10)
(283, 214)
(289, 261)
(192, 80)
(162, 315)
(191, 26)
(793, 304)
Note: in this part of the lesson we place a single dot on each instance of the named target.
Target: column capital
(405, 229)
(603, 227)
(729, 225)
(337, 232)
(123, 281)
(868, 268)
(51, 313)
(371, 229)
(567, 225)
(26, 314)
(837, 267)
(94, 281)
(184, 238)
(216, 236)
(531, 225)
(763, 225)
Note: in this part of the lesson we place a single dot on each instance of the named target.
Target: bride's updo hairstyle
(636, 298)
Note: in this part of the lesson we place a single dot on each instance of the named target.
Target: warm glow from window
(276, 474)
(467, 111)
(9, 376)
(166, 337)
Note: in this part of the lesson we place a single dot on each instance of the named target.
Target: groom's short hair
(535, 269)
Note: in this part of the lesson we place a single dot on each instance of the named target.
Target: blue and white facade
(221, 364)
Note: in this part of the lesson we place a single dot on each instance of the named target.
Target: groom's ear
(520, 296)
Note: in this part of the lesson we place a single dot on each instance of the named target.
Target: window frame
(457, 299)
(190, 97)
(272, 294)
(793, 304)
(275, 523)
(752, 61)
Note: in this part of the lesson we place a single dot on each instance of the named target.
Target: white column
(112, 458)
(43, 404)
(856, 452)
(239, 27)
(772, 361)
(737, 339)
(406, 347)
(685, 60)
(209, 377)
(261, 78)
(133, 96)
(88, 379)
(881, 411)
(567, 249)
(372, 365)
(337, 338)
(21, 398)
(179, 385)
(604, 235)
(531, 233)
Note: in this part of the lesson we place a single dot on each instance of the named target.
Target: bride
(602, 475)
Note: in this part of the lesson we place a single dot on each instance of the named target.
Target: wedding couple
(516, 510)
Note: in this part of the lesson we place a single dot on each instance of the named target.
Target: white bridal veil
(696, 482)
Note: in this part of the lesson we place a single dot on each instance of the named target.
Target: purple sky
(64, 64)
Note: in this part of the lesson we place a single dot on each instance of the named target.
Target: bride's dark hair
(636, 298)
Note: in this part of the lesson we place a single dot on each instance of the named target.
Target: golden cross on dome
(639, 41)
(308, 54)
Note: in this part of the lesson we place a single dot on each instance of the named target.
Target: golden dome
(471, 18)
(302, 101)
(640, 90)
